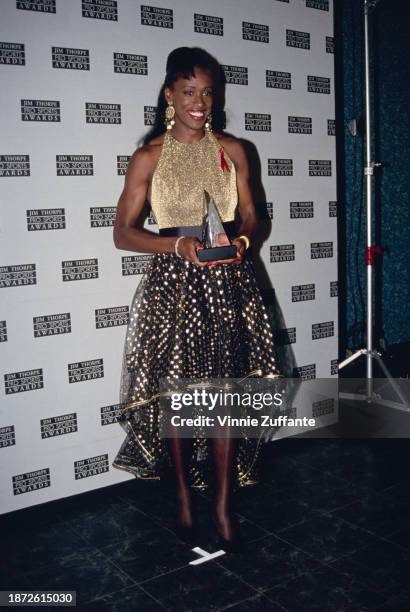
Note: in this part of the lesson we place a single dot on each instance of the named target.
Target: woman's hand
(240, 253)
(187, 248)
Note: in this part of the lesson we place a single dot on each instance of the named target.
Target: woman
(189, 319)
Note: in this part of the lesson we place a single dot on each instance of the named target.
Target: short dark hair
(181, 63)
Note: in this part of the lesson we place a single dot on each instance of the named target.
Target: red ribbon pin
(224, 165)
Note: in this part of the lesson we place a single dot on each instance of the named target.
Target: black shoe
(233, 545)
(188, 535)
(230, 546)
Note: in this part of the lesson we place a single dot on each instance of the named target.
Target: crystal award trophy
(216, 243)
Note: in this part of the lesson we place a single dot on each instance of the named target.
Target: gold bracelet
(246, 239)
(176, 246)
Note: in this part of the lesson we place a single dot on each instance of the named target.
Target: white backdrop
(77, 81)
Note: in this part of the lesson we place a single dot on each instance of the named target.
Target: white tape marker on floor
(205, 556)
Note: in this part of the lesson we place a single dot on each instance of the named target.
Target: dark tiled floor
(328, 529)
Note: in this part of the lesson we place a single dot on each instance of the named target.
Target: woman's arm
(126, 235)
(247, 210)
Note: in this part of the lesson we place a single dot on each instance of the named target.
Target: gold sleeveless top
(183, 172)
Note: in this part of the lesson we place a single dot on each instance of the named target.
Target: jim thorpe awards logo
(41, 6)
(334, 367)
(40, 110)
(280, 167)
(278, 79)
(320, 167)
(303, 293)
(3, 331)
(135, 264)
(149, 115)
(51, 325)
(334, 288)
(255, 31)
(323, 330)
(299, 125)
(101, 112)
(75, 165)
(322, 407)
(157, 17)
(27, 380)
(332, 208)
(102, 216)
(316, 84)
(122, 164)
(110, 414)
(331, 127)
(258, 122)
(58, 425)
(14, 166)
(18, 275)
(7, 436)
(100, 9)
(92, 466)
(301, 210)
(330, 44)
(282, 252)
(300, 40)
(235, 75)
(39, 219)
(31, 481)
(82, 371)
(320, 250)
(265, 208)
(12, 54)
(321, 5)
(79, 269)
(207, 24)
(305, 372)
(70, 59)
(111, 317)
(129, 63)
(284, 336)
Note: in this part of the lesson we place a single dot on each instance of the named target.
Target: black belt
(196, 230)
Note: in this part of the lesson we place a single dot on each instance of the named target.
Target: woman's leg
(180, 450)
(223, 454)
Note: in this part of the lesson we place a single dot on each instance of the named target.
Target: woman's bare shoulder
(146, 157)
(231, 144)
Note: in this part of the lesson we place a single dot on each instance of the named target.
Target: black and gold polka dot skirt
(189, 322)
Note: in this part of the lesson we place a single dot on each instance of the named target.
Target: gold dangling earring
(208, 123)
(169, 116)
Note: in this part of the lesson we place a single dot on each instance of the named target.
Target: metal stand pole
(371, 250)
